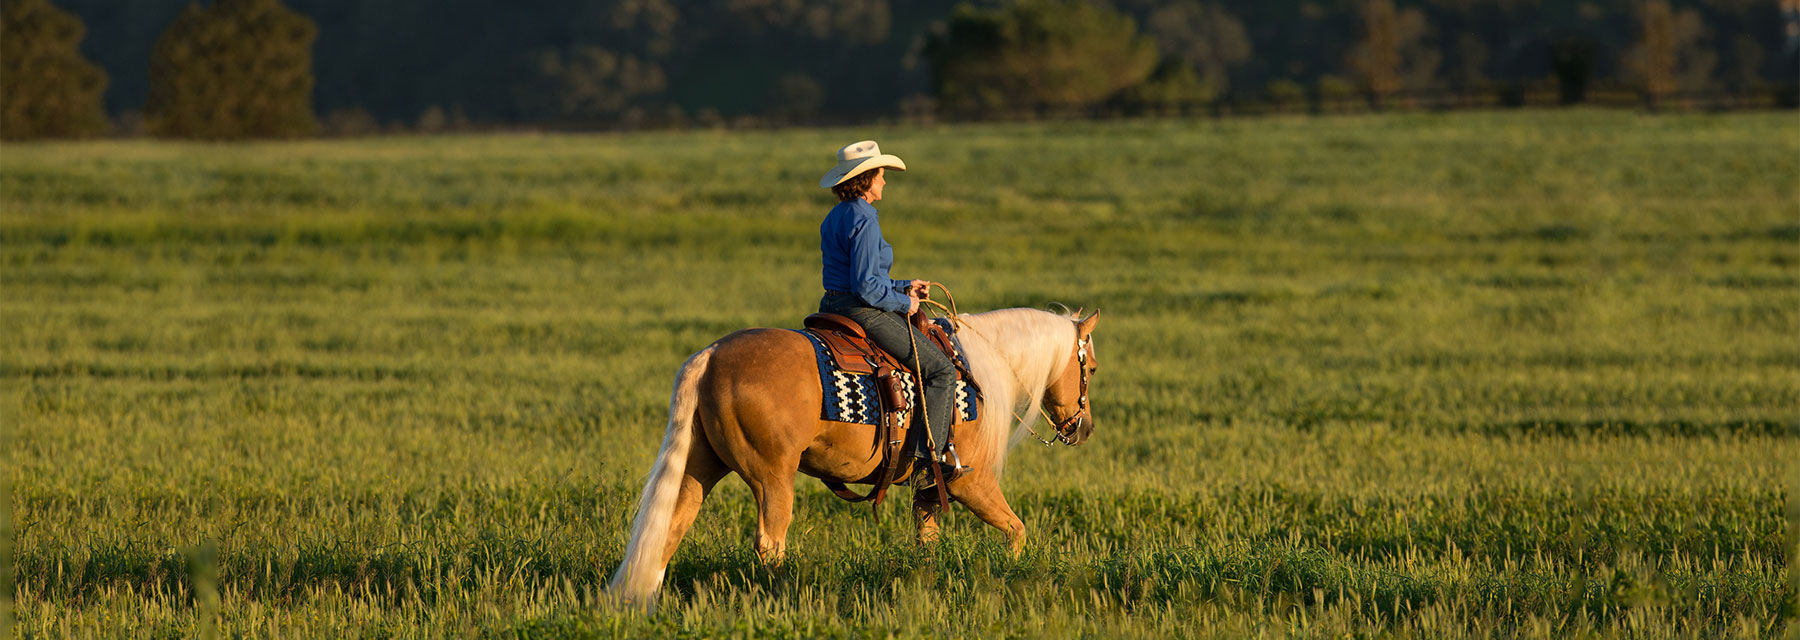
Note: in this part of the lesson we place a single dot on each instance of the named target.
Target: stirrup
(951, 463)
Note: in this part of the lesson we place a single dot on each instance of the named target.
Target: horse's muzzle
(1083, 429)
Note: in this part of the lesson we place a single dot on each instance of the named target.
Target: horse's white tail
(641, 572)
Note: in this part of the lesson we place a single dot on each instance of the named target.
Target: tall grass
(1477, 375)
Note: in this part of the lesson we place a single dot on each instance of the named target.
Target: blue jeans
(888, 330)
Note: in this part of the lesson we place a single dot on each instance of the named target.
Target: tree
(1172, 87)
(237, 69)
(1747, 75)
(1376, 59)
(1572, 60)
(1059, 53)
(1392, 54)
(586, 83)
(1468, 74)
(47, 90)
(1206, 37)
(1652, 60)
(795, 96)
(1667, 56)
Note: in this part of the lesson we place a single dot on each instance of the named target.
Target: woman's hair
(855, 187)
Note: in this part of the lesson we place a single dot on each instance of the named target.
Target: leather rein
(1065, 429)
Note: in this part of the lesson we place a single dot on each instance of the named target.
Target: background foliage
(1482, 375)
(46, 88)
(428, 62)
(236, 69)
(1057, 53)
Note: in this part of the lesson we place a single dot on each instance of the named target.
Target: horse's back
(762, 366)
(747, 347)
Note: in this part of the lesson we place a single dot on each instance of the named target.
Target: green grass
(1474, 375)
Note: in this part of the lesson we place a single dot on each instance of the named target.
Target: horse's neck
(1013, 353)
(1028, 342)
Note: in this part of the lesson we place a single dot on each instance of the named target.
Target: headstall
(1065, 429)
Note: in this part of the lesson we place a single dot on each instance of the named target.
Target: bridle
(1065, 429)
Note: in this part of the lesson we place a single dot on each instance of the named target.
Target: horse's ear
(1086, 325)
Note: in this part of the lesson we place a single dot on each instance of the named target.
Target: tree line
(260, 68)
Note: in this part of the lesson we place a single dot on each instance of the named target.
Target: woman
(857, 285)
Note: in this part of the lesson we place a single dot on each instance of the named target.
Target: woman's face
(874, 192)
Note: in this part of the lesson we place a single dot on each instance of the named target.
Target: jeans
(888, 330)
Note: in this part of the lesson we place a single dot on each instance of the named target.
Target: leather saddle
(852, 352)
(850, 348)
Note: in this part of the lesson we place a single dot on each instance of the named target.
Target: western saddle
(853, 352)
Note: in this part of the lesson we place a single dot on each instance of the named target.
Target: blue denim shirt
(857, 259)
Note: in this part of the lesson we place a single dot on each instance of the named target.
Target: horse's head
(1066, 399)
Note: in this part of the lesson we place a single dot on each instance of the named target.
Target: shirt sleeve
(872, 282)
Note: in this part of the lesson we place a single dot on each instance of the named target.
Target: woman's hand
(912, 304)
(920, 288)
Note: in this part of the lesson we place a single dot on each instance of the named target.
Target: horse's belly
(842, 451)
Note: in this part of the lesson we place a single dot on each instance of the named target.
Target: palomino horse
(749, 404)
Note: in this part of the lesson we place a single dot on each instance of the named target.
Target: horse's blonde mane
(1014, 354)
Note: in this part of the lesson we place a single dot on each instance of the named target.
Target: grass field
(1480, 375)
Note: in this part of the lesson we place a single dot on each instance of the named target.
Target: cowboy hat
(857, 158)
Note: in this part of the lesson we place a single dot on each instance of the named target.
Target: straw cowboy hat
(857, 158)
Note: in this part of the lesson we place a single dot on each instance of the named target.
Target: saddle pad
(968, 396)
(851, 397)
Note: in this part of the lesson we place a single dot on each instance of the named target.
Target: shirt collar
(863, 206)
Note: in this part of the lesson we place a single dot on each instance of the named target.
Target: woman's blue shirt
(857, 259)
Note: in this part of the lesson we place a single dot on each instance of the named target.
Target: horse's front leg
(979, 490)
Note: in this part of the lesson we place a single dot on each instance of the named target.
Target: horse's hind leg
(767, 463)
(774, 493)
(703, 471)
(760, 415)
(767, 460)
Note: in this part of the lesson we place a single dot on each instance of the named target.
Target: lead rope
(950, 311)
(931, 455)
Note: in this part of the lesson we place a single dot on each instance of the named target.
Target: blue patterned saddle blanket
(854, 398)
